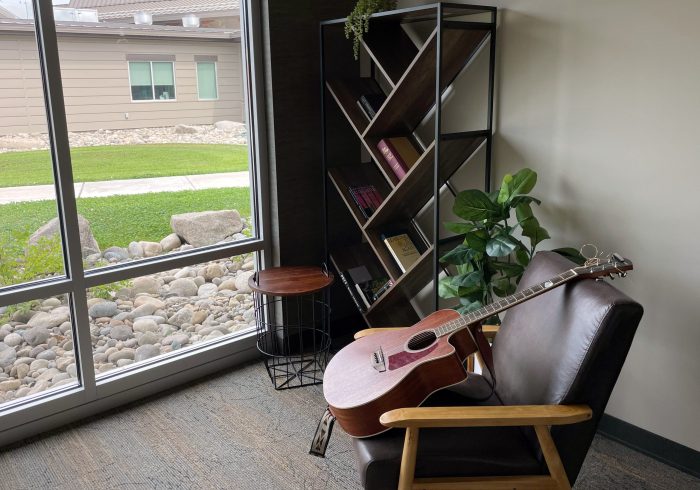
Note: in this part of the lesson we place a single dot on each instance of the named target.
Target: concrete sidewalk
(126, 187)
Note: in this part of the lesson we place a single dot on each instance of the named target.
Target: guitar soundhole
(422, 340)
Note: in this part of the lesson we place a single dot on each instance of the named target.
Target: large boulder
(206, 227)
(227, 125)
(87, 240)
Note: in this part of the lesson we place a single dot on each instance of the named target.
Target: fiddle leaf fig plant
(497, 246)
(357, 23)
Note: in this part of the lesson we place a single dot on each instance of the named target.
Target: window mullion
(153, 82)
(47, 42)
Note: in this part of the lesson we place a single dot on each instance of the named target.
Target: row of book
(399, 152)
(365, 288)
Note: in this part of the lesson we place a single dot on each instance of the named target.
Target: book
(370, 104)
(399, 153)
(382, 290)
(353, 294)
(366, 285)
(402, 249)
(366, 198)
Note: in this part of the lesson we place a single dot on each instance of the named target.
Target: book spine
(360, 201)
(398, 166)
(375, 196)
(369, 193)
(345, 281)
(369, 110)
(362, 295)
(382, 290)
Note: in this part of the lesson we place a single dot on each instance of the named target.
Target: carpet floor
(234, 431)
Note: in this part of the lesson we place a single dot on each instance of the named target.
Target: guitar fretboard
(504, 304)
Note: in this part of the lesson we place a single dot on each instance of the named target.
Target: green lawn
(118, 220)
(97, 163)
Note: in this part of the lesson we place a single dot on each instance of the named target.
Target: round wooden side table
(292, 317)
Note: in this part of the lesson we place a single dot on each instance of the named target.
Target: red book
(399, 153)
(392, 157)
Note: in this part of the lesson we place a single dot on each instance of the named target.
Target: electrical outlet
(126, 115)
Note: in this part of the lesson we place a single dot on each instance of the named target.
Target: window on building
(206, 81)
(152, 80)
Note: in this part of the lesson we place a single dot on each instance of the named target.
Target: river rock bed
(149, 316)
(222, 132)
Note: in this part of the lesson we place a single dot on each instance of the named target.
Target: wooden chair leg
(408, 459)
(551, 456)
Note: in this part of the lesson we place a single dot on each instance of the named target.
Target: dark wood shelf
(360, 174)
(346, 93)
(409, 73)
(416, 188)
(397, 116)
(391, 49)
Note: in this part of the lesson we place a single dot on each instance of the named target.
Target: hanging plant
(357, 23)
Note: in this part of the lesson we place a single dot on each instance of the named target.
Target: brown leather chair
(559, 355)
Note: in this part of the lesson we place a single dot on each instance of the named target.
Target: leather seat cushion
(476, 451)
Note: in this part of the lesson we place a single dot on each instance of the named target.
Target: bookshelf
(413, 73)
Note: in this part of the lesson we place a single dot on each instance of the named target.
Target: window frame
(27, 416)
(216, 79)
(153, 86)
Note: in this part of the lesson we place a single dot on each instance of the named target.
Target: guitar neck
(504, 303)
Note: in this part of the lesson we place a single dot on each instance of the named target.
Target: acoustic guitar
(401, 368)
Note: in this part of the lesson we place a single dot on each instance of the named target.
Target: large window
(206, 80)
(152, 80)
(128, 232)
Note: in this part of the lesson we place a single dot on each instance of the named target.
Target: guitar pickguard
(402, 358)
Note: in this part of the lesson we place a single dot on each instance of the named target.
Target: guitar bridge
(377, 359)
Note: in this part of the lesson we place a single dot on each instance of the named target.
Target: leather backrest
(563, 347)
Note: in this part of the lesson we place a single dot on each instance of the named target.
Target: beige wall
(601, 99)
(96, 83)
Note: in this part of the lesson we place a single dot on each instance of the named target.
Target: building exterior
(119, 75)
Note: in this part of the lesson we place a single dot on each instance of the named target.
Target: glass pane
(140, 73)
(133, 321)
(30, 242)
(157, 177)
(206, 80)
(36, 348)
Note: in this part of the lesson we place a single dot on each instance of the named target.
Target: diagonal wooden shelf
(346, 94)
(416, 188)
(360, 174)
(391, 50)
(396, 117)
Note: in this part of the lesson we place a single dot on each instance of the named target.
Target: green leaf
(572, 254)
(474, 205)
(508, 269)
(517, 200)
(476, 240)
(523, 212)
(535, 233)
(468, 306)
(445, 288)
(523, 182)
(461, 254)
(503, 287)
(458, 228)
(504, 192)
(500, 246)
(467, 281)
(522, 256)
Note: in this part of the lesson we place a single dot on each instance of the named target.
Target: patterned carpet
(234, 431)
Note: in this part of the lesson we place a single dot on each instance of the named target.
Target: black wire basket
(295, 346)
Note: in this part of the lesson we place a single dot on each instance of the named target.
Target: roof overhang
(126, 30)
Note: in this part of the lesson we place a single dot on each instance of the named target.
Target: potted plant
(357, 23)
(497, 246)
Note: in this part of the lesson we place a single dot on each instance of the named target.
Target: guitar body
(416, 364)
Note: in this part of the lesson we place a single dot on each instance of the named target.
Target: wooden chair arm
(495, 416)
(371, 331)
(490, 331)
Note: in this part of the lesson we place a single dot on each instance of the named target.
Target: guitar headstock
(598, 268)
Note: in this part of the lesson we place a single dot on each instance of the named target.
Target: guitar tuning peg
(623, 274)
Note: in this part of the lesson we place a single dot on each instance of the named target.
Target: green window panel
(140, 80)
(206, 81)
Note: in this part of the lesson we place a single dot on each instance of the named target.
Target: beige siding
(96, 87)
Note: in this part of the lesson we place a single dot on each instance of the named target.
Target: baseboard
(659, 448)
